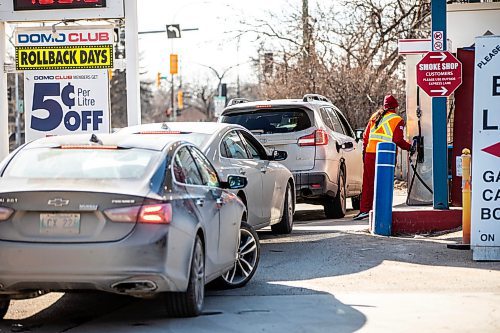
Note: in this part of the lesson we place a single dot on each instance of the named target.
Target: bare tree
(203, 100)
(118, 98)
(351, 56)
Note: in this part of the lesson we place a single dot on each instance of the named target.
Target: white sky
(213, 44)
(210, 45)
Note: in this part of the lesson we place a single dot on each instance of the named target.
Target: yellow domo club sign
(64, 57)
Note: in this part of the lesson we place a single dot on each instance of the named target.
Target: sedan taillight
(317, 138)
(5, 213)
(155, 214)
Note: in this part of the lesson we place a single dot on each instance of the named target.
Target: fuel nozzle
(419, 112)
(418, 147)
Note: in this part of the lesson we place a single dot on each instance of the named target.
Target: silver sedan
(232, 149)
(116, 213)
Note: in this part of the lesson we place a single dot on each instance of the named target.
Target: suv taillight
(317, 138)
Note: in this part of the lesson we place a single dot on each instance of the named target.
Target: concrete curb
(418, 221)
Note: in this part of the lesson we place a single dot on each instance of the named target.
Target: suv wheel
(335, 208)
(356, 202)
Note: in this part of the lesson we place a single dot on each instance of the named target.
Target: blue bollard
(384, 186)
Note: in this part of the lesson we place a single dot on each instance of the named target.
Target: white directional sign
(485, 222)
(173, 31)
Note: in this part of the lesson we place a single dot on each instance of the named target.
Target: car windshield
(271, 121)
(56, 163)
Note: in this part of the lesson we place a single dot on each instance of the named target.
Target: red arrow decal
(493, 150)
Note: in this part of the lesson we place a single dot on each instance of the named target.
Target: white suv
(323, 153)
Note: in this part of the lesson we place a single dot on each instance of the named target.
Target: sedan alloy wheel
(247, 259)
(190, 303)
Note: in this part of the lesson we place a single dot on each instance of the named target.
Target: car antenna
(165, 126)
(95, 139)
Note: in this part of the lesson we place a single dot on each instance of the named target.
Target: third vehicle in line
(323, 153)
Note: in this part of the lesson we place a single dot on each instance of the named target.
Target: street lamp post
(219, 77)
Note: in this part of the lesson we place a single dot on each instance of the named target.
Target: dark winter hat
(390, 102)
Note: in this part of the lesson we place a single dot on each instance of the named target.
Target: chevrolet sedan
(233, 150)
(116, 213)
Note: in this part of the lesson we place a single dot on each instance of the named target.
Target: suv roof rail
(235, 101)
(315, 97)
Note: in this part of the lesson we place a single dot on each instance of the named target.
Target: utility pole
(439, 117)
(172, 99)
(132, 59)
(238, 75)
(306, 30)
(4, 109)
(18, 113)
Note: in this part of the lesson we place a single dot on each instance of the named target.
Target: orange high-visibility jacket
(389, 129)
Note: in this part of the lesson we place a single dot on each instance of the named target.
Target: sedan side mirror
(234, 183)
(359, 133)
(347, 145)
(279, 155)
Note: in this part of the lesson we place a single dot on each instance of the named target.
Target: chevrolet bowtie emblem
(58, 202)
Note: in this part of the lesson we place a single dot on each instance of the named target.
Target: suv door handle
(200, 202)
(242, 171)
(220, 201)
(263, 169)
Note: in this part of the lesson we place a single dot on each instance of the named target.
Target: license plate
(60, 224)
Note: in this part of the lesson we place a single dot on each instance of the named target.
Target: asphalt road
(327, 276)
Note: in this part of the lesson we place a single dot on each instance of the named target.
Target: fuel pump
(419, 138)
(419, 159)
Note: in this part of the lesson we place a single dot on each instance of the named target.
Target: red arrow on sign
(493, 150)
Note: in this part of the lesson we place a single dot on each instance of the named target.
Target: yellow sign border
(66, 47)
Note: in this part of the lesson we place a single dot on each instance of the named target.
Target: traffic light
(9, 93)
(180, 99)
(158, 80)
(174, 64)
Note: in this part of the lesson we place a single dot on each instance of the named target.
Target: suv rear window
(271, 121)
